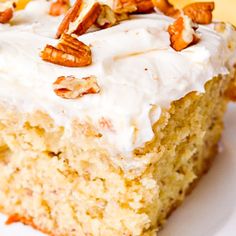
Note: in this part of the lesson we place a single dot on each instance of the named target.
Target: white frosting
(135, 67)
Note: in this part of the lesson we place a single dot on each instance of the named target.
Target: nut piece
(107, 17)
(122, 16)
(130, 6)
(73, 46)
(89, 13)
(166, 7)
(124, 6)
(7, 11)
(182, 33)
(70, 16)
(200, 12)
(69, 52)
(70, 87)
(59, 7)
(79, 18)
(144, 6)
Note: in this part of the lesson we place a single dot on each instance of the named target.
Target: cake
(110, 112)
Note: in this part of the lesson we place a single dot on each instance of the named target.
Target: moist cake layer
(137, 70)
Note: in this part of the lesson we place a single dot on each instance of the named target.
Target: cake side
(68, 189)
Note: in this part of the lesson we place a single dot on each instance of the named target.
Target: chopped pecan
(7, 12)
(107, 17)
(69, 52)
(166, 7)
(79, 18)
(70, 87)
(122, 16)
(125, 6)
(182, 33)
(200, 12)
(144, 6)
(59, 7)
(130, 6)
(87, 17)
(70, 16)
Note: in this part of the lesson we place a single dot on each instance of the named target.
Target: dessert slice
(106, 133)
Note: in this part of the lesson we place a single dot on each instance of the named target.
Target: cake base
(71, 186)
(30, 222)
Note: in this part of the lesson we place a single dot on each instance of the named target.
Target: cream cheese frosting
(137, 70)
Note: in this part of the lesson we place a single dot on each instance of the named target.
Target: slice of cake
(105, 130)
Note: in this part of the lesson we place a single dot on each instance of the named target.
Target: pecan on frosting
(59, 7)
(69, 52)
(70, 87)
(7, 11)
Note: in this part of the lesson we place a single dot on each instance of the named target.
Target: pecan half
(79, 18)
(73, 46)
(166, 7)
(69, 52)
(59, 7)
(200, 12)
(70, 16)
(107, 17)
(70, 87)
(7, 12)
(88, 15)
(182, 33)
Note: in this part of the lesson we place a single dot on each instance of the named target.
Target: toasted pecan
(200, 12)
(144, 6)
(131, 6)
(6, 16)
(79, 18)
(122, 16)
(182, 33)
(88, 15)
(8, 11)
(59, 7)
(166, 7)
(106, 18)
(70, 16)
(124, 6)
(72, 45)
(69, 52)
(70, 87)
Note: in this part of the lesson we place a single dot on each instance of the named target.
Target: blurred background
(225, 9)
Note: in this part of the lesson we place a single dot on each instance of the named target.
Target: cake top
(137, 71)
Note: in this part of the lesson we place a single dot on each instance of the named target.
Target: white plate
(209, 211)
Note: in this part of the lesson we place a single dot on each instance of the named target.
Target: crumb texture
(71, 186)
